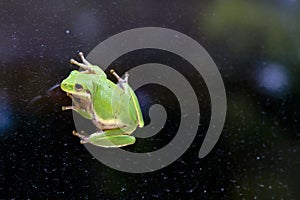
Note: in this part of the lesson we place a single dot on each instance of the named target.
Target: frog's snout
(66, 87)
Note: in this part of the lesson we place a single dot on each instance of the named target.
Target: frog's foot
(83, 139)
(121, 82)
(86, 65)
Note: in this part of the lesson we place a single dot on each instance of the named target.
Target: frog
(113, 108)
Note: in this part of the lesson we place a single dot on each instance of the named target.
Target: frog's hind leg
(84, 138)
(108, 138)
(121, 82)
(111, 138)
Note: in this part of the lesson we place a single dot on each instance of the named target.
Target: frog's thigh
(111, 138)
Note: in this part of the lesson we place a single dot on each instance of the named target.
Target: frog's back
(130, 112)
(113, 103)
(103, 92)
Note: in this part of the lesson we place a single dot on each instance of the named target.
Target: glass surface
(256, 46)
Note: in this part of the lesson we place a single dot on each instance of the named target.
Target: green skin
(113, 108)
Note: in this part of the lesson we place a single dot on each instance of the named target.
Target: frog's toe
(84, 140)
(74, 62)
(83, 59)
(114, 73)
(67, 108)
(78, 134)
(126, 77)
(121, 81)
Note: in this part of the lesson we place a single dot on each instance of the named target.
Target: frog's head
(75, 83)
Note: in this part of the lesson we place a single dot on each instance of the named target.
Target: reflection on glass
(273, 78)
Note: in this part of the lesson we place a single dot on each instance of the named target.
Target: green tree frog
(113, 108)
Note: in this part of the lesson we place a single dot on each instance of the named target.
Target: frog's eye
(78, 87)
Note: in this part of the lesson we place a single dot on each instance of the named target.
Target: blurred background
(256, 46)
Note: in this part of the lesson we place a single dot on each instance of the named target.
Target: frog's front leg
(86, 65)
(81, 106)
(108, 138)
(76, 103)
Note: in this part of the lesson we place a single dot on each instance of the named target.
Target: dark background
(256, 46)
